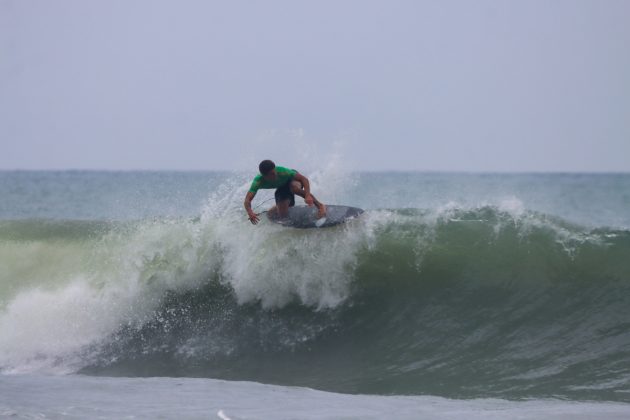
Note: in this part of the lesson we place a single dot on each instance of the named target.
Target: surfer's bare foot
(322, 211)
(272, 213)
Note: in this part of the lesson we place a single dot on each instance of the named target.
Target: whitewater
(452, 296)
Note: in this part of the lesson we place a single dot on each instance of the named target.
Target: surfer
(287, 183)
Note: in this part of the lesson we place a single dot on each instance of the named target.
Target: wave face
(457, 302)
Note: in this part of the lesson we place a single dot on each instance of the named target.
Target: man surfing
(287, 183)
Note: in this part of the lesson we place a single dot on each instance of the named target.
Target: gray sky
(536, 85)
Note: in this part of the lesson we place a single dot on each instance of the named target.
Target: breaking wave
(460, 302)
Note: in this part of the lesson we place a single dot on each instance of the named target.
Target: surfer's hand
(308, 199)
(253, 217)
(322, 211)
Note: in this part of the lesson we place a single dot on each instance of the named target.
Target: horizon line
(426, 171)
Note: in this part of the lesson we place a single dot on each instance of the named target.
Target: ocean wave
(492, 300)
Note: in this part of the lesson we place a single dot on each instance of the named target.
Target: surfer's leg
(283, 208)
(272, 213)
(284, 200)
(297, 188)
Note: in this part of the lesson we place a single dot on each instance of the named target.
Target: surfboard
(304, 217)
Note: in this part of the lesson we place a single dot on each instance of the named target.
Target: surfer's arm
(253, 217)
(306, 186)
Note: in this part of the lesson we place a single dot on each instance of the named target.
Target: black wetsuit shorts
(284, 193)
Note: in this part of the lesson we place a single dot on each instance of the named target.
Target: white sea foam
(208, 398)
(275, 265)
(119, 281)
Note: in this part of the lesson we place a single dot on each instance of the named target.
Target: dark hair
(266, 166)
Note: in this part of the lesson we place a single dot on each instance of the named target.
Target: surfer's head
(266, 169)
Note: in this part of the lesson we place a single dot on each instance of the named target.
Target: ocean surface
(453, 296)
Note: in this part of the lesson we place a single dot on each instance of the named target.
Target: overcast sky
(409, 85)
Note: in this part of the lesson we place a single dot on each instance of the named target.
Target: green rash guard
(284, 175)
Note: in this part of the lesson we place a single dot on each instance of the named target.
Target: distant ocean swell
(457, 302)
